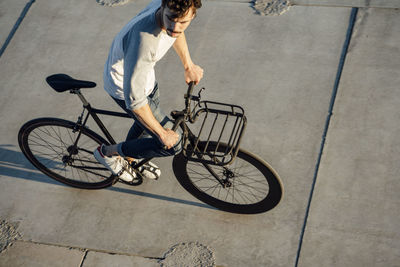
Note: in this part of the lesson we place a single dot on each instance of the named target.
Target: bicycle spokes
(66, 152)
(240, 184)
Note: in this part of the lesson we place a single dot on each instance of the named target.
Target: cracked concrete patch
(8, 233)
(188, 254)
(271, 7)
(112, 3)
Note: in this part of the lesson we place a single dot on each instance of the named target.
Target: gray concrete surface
(327, 3)
(350, 3)
(355, 212)
(10, 11)
(98, 259)
(39, 255)
(280, 69)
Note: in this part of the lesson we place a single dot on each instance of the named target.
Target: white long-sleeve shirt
(129, 71)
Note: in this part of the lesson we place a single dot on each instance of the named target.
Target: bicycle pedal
(135, 182)
(131, 161)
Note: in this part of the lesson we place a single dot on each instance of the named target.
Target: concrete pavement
(350, 3)
(282, 70)
(356, 203)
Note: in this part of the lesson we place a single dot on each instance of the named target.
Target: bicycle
(211, 165)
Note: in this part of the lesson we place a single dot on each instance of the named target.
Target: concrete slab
(280, 69)
(350, 3)
(38, 255)
(355, 215)
(9, 13)
(330, 3)
(98, 259)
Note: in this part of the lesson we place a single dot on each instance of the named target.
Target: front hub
(228, 175)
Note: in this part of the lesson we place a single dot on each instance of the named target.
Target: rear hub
(67, 160)
(72, 150)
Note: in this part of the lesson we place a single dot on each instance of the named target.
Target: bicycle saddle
(63, 82)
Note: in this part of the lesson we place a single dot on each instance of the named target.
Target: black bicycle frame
(93, 113)
(179, 116)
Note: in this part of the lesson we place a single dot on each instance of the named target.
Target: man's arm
(192, 72)
(136, 69)
(168, 137)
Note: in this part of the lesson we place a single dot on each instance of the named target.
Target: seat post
(81, 97)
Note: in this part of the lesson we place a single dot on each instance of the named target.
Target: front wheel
(247, 186)
(64, 153)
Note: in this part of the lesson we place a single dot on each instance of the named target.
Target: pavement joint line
(87, 250)
(346, 44)
(16, 25)
(83, 258)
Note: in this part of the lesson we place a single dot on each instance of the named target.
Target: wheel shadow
(14, 164)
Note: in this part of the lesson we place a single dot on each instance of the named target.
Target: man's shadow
(14, 164)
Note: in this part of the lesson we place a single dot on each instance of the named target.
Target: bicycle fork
(224, 181)
(228, 174)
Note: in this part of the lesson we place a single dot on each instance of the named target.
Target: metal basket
(219, 128)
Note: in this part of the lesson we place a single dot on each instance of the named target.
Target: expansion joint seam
(83, 258)
(16, 25)
(346, 44)
(87, 250)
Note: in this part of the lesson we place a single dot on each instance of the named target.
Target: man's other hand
(194, 74)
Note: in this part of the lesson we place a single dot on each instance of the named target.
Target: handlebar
(188, 97)
(190, 88)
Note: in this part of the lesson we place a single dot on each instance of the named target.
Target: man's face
(175, 26)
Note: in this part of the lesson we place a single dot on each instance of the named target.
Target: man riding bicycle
(129, 78)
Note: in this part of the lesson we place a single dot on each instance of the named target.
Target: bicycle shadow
(14, 164)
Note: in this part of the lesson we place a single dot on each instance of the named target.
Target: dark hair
(181, 7)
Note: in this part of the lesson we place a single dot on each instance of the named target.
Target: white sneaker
(149, 170)
(116, 164)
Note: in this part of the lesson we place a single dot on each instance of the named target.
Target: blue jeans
(141, 142)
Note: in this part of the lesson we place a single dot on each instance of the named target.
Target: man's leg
(150, 146)
(136, 130)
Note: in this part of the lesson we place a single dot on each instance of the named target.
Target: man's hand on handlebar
(194, 73)
(169, 138)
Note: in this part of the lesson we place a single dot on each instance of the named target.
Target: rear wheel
(248, 185)
(63, 153)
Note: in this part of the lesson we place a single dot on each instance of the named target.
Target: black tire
(256, 185)
(47, 143)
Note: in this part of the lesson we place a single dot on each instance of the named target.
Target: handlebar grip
(174, 128)
(190, 88)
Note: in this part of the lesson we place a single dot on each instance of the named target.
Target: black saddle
(62, 83)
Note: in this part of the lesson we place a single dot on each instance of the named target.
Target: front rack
(218, 135)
